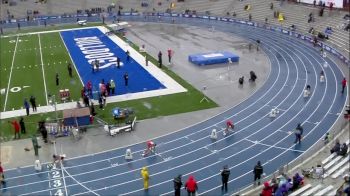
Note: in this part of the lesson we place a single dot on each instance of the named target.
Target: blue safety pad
(212, 58)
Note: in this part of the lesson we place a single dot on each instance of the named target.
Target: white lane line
(274, 146)
(87, 188)
(43, 70)
(62, 170)
(275, 95)
(259, 109)
(190, 134)
(306, 119)
(8, 84)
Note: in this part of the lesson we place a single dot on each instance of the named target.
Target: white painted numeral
(57, 183)
(59, 192)
(56, 174)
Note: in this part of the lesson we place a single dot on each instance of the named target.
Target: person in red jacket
(191, 186)
(17, 128)
(2, 176)
(267, 190)
(343, 84)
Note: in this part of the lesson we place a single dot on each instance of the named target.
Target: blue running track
(191, 151)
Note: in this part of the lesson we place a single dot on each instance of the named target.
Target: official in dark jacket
(177, 185)
(225, 174)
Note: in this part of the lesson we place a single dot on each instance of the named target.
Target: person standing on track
(258, 171)
(298, 133)
(343, 85)
(2, 176)
(145, 177)
(191, 186)
(225, 174)
(177, 185)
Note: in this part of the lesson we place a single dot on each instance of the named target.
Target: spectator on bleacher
(267, 190)
(258, 171)
(250, 17)
(281, 191)
(297, 181)
(329, 30)
(314, 3)
(234, 14)
(289, 184)
(271, 5)
(336, 147)
(343, 150)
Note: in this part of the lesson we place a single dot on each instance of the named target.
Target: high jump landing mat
(212, 58)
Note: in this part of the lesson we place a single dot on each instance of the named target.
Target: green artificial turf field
(28, 67)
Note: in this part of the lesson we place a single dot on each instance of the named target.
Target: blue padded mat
(212, 58)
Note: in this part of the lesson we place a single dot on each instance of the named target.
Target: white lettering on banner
(212, 55)
(94, 49)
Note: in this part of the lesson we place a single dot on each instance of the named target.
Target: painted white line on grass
(8, 84)
(75, 67)
(42, 67)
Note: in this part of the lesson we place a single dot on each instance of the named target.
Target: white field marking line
(319, 104)
(43, 70)
(8, 85)
(209, 118)
(274, 146)
(204, 168)
(44, 32)
(173, 149)
(64, 43)
(207, 155)
(261, 128)
(90, 191)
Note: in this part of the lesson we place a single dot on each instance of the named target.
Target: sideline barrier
(67, 18)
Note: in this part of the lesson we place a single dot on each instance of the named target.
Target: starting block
(128, 154)
(37, 165)
(214, 134)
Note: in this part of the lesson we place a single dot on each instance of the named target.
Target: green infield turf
(29, 64)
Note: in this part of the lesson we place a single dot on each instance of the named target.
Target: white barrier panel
(336, 3)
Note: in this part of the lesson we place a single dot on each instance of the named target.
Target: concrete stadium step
(312, 190)
(337, 166)
(341, 171)
(324, 191)
(332, 162)
(301, 190)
